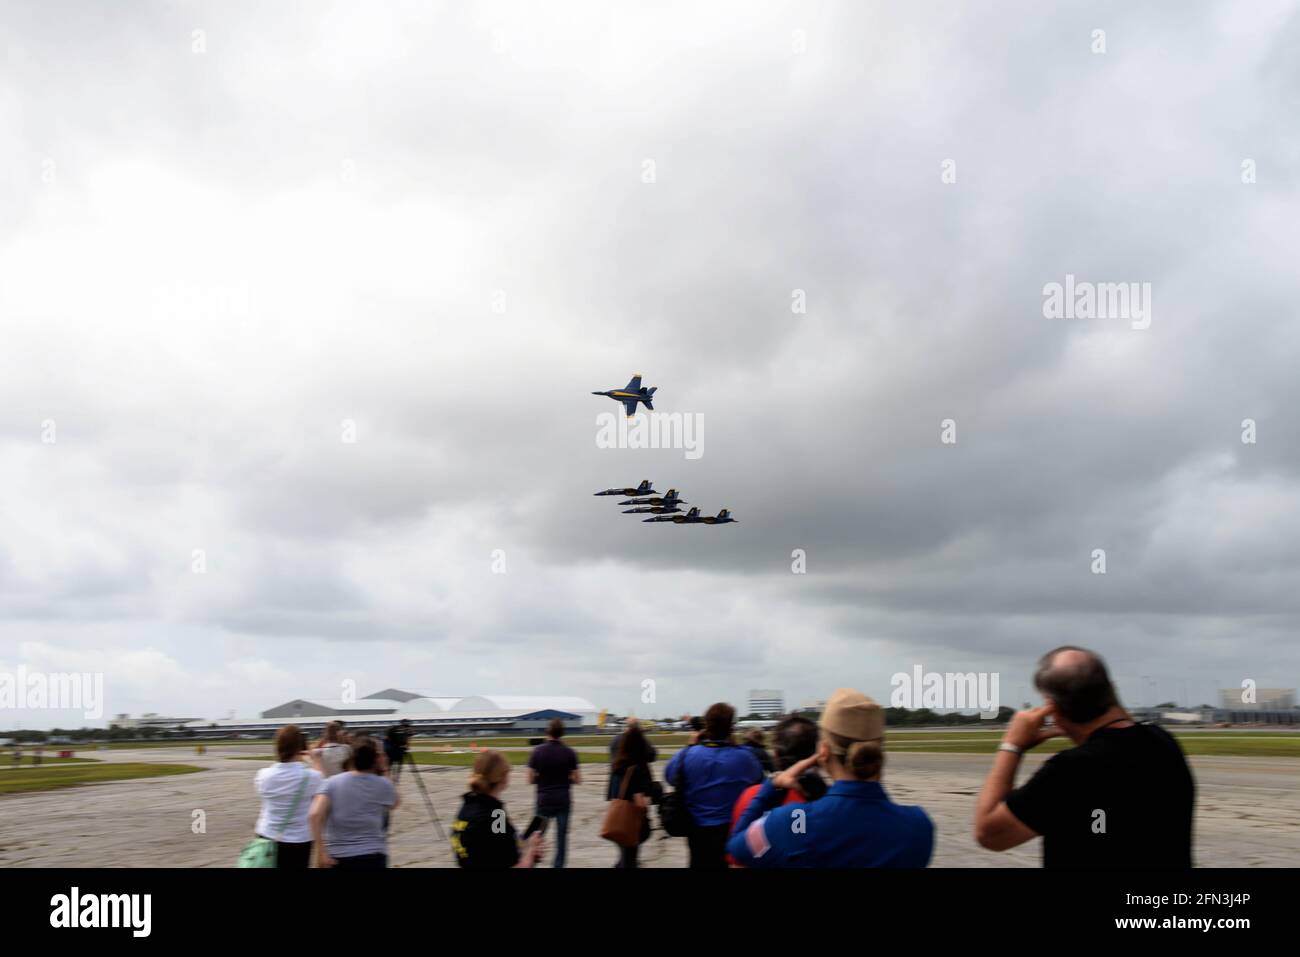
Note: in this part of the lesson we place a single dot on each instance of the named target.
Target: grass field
(1228, 742)
(464, 759)
(25, 780)
(139, 745)
(215, 743)
(1242, 743)
(573, 740)
(7, 762)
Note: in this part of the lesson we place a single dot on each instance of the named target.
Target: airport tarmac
(1248, 814)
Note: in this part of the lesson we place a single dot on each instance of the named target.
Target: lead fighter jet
(633, 394)
(669, 499)
(642, 489)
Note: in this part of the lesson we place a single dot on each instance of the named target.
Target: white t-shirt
(278, 785)
(332, 757)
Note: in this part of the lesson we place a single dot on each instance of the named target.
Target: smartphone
(536, 825)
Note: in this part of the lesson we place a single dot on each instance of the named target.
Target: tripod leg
(428, 802)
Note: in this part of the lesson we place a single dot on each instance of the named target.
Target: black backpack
(674, 817)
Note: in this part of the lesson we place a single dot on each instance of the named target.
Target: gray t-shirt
(355, 825)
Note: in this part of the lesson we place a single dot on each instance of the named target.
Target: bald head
(1077, 682)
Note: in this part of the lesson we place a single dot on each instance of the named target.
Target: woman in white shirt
(287, 788)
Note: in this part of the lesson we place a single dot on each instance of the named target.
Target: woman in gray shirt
(347, 817)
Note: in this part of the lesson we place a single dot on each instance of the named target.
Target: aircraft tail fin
(649, 405)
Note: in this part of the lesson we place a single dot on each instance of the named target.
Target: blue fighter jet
(670, 500)
(642, 489)
(633, 394)
(693, 517)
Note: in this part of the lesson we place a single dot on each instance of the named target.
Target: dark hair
(633, 749)
(793, 740)
(755, 737)
(1081, 689)
(697, 723)
(365, 752)
(863, 759)
(333, 732)
(718, 721)
(290, 742)
(556, 728)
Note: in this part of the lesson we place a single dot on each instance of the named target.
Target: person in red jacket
(793, 740)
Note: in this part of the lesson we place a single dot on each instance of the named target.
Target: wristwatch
(1013, 748)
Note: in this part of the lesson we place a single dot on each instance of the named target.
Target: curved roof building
(472, 714)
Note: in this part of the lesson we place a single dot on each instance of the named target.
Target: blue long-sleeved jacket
(716, 773)
(854, 825)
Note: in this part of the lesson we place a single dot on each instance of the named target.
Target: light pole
(1150, 681)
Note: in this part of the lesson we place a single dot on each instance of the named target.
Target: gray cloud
(306, 224)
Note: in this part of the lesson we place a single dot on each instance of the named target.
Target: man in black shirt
(1123, 797)
(553, 767)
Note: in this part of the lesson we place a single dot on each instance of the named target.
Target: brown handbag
(623, 818)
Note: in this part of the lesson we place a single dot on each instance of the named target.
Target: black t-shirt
(1123, 798)
(553, 762)
(482, 835)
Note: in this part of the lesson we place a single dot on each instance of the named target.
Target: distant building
(1266, 699)
(474, 714)
(149, 720)
(1239, 714)
(766, 703)
(1187, 716)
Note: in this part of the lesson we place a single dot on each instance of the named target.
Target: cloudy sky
(233, 233)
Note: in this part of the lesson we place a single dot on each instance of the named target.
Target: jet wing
(630, 406)
(635, 384)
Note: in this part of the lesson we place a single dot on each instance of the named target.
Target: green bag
(260, 851)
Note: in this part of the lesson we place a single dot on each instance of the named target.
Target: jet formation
(644, 499)
(666, 508)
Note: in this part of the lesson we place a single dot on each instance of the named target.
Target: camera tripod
(406, 760)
